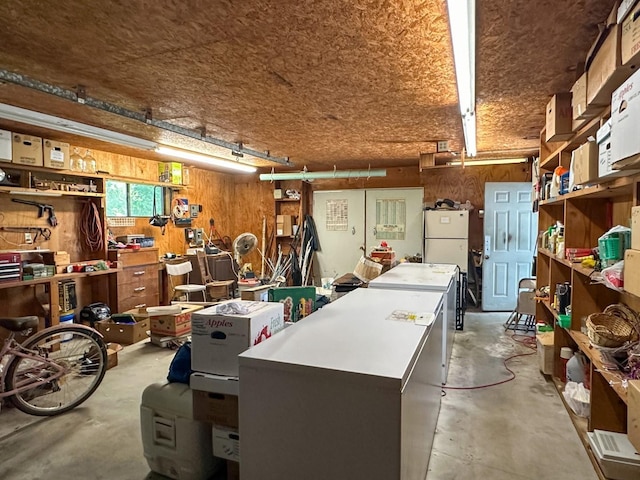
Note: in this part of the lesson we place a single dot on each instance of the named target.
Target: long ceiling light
(497, 161)
(304, 175)
(37, 119)
(462, 22)
(205, 159)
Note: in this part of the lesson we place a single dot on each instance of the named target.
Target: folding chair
(523, 316)
(177, 270)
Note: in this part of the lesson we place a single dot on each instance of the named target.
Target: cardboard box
(630, 39)
(5, 146)
(633, 413)
(226, 443)
(124, 333)
(559, 118)
(27, 150)
(170, 172)
(56, 154)
(56, 258)
(112, 354)
(256, 294)
(635, 228)
(284, 225)
(367, 269)
(545, 348)
(585, 163)
(173, 325)
(606, 72)
(215, 408)
(219, 335)
(624, 8)
(632, 271)
(579, 106)
(298, 301)
(625, 117)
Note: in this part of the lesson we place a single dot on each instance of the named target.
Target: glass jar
(75, 161)
(90, 165)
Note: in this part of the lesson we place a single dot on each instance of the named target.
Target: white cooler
(615, 454)
(175, 445)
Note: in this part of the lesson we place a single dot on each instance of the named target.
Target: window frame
(159, 196)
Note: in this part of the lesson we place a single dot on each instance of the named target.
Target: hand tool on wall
(53, 221)
(38, 232)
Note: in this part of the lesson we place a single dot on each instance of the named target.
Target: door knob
(353, 230)
(486, 257)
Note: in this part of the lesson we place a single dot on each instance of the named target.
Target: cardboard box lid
(603, 28)
(604, 132)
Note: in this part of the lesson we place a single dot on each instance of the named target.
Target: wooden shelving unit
(586, 215)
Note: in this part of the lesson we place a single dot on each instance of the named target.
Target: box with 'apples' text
(221, 332)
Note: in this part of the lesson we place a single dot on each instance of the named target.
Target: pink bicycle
(52, 371)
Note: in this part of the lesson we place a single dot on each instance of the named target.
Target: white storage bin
(615, 454)
(174, 444)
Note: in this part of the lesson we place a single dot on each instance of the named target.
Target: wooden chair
(177, 270)
(215, 289)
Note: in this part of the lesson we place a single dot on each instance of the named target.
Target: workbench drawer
(139, 275)
(130, 258)
(139, 289)
(129, 303)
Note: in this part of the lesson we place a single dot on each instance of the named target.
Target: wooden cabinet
(137, 283)
(586, 215)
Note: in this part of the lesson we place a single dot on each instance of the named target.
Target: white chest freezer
(352, 391)
(429, 277)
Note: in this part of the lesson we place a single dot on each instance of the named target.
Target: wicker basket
(606, 330)
(622, 311)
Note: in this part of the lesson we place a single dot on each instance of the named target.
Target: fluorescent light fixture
(496, 161)
(324, 175)
(22, 115)
(462, 22)
(206, 159)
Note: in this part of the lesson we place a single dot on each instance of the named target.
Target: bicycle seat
(18, 324)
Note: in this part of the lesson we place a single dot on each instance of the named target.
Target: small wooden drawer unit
(137, 283)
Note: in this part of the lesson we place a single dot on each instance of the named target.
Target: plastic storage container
(175, 445)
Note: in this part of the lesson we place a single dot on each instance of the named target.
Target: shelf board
(613, 378)
(287, 199)
(614, 188)
(581, 426)
(586, 271)
(554, 312)
(562, 261)
(34, 192)
(589, 129)
(57, 277)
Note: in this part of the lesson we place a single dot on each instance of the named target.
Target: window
(133, 199)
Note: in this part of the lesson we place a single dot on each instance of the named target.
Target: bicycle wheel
(80, 352)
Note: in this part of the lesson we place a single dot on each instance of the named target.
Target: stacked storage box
(219, 334)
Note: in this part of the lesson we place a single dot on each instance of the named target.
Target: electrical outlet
(28, 239)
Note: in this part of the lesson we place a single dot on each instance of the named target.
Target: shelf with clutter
(587, 195)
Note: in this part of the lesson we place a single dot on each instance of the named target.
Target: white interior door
(395, 216)
(510, 234)
(339, 217)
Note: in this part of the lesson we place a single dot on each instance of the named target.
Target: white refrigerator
(446, 237)
(428, 278)
(351, 391)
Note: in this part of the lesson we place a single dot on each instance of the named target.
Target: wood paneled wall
(237, 203)
(456, 183)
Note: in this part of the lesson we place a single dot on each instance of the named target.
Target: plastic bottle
(565, 355)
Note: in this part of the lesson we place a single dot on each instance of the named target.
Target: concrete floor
(519, 430)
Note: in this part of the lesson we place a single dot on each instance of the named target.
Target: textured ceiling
(358, 83)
